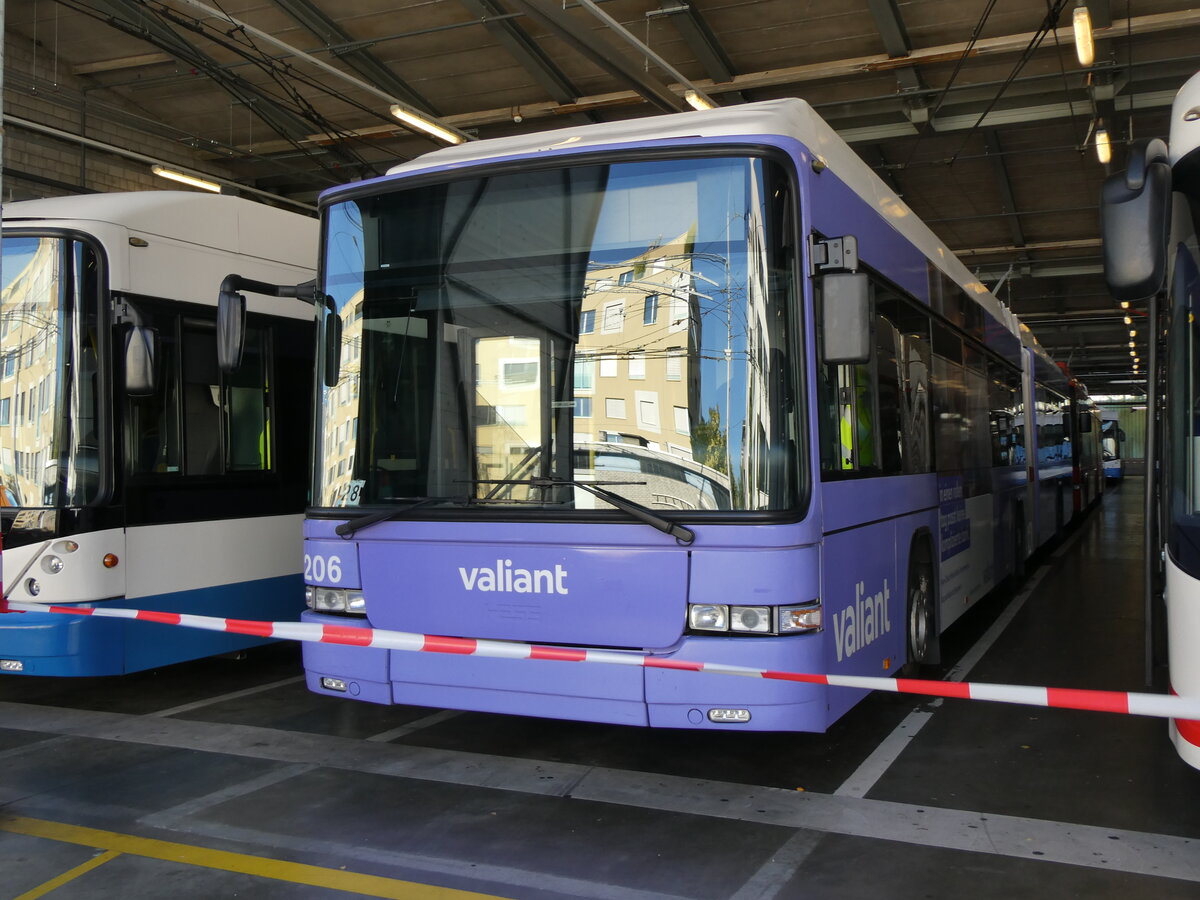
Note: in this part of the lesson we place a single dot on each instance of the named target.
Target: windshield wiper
(368, 519)
(682, 534)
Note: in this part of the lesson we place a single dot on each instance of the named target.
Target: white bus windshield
(49, 449)
(501, 332)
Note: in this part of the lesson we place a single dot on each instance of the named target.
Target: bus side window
(949, 401)
(248, 422)
(201, 401)
(891, 436)
(154, 420)
(1003, 387)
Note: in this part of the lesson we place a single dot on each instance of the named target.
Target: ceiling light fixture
(1128, 320)
(697, 100)
(1085, 46)
(182, 178)
(1124, 304)
(1103, 147)
(420, 123)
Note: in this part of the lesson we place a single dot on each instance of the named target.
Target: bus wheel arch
(922, 646)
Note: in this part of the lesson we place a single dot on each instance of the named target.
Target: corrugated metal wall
(1132, 420)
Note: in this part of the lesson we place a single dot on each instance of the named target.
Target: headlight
(750, 618)
(801, 618)
(51, 565)
(323, 599)
(708, 617)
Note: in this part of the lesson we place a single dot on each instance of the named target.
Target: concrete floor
(226, 778)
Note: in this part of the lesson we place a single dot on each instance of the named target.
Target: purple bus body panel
(766, 578)
(681, 699)
(836, 210)
(364, 669)
(857, 501)
(605, 596)
(346, 554)
(570, 690)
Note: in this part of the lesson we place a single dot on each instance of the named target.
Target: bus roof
(790, 117)
(232, 224)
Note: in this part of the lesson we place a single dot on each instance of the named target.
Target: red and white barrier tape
(1158, 705)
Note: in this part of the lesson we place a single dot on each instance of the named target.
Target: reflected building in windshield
(29, 336)
(637, 390)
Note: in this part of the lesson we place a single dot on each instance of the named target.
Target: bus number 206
(318, 569)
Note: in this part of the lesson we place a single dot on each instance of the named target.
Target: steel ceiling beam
(156, 32)
(897, 45)
(513, 38)
(124, 62)
(358, 58)
(596, 47)
(700, 40)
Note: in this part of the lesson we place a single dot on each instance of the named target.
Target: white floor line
(400, 731)
(774, 874)
(32, 746)
(233, 695)
(889, 749)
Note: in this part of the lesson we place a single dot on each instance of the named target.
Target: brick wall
(38, 165)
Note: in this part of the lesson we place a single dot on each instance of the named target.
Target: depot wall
(40, 87)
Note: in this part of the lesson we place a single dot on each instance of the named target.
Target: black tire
(919, 620)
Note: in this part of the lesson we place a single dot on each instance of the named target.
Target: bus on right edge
(1150, 215)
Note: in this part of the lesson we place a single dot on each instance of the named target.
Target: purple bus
(697, 385)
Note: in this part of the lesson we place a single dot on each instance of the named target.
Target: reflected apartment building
(29, 351)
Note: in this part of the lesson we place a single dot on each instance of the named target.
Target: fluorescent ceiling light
(420, 123)
(1103, 147)
(192, 180)
(1085, 47)
(698, 101)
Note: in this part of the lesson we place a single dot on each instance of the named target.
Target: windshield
(623, 324)
(48, 434)
(1111, 436)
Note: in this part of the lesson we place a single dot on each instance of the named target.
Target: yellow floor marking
(42, 889)
(263, 867)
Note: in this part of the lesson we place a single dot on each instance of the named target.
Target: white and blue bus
(132, 471)
(1151, 216)
(1112, 436)
(698, 385)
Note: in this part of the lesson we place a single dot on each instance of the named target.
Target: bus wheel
(919, 619)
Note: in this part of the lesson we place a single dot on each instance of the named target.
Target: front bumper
(593, 692)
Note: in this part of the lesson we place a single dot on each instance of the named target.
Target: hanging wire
(975, 33)
(1048, 25)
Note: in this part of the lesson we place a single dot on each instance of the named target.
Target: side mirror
(231, 330)
(333, 344)
(141, 353)
(845, 318)
(1135, 220)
